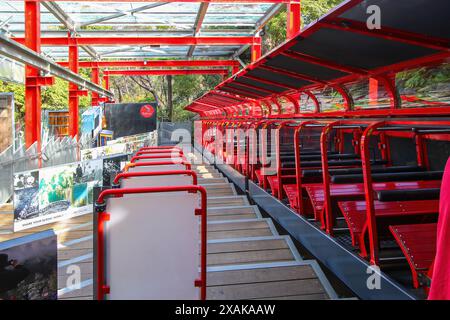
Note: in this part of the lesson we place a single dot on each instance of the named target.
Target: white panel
(166, 159)
(157, 168)
(164, 155)
(156, 181)
(152, 246)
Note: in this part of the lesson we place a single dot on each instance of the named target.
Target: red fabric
(440, 283)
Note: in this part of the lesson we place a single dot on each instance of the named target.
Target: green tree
(275, 29)
(53, 97)
(154, 89)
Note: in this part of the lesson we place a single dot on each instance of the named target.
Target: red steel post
(32, 87)
(294, 18)
(95, 78)
(256, 49)
(73, 92)
(106, 81)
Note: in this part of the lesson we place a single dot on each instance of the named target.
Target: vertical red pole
(256, 49)
(95, 78)
(235, 69)
(373, 92)
(32, 88)
(73, 92)
(294, 18)
(106, 81)
(327, 217)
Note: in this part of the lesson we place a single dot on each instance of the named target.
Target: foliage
(275, 30)
(19, 97)
(54, 97)
(424, 77)
(149, 89)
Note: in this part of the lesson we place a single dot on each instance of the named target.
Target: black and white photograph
(111, 167)
(28, 179)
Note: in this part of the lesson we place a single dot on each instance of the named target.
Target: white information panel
(163, 159)
(153, 246)
(164, 154)
(169, 167)
(156, 181)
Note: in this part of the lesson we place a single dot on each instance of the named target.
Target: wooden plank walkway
(247, 258)
(75, 251)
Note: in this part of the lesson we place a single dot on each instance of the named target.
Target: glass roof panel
(135, 19)
(239, 7)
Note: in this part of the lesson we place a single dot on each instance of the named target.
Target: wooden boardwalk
(247, 258)
(75, 251)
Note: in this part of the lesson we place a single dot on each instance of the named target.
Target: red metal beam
(255, 87)
(155, 63)
(185, 1)
(106, 81)
(166, 41)
(32, 89)
(207, 105)
(95, 78)
(291, 74)
(242, 92)
(272, 83)
(256, 49)
(323, 63)
(294, 19)
(167, 72)
(73, 93)
(387, 33)
(229, 96)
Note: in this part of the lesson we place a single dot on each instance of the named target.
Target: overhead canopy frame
(340, 48)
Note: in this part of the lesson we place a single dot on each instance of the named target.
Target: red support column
(106, 85)
(32, 87)
(235, 69)
(294, 18)
(373, 92)
(73, 92)
(106, 81)
(95, 78)
(256, 49)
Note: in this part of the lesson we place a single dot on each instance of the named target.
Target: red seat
(356, 190)
(355, 214)
(418, 244)
(274, 183)
(292, 195)
(259, 176)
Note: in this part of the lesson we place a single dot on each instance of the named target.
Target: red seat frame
(418, 244)
(355, 215)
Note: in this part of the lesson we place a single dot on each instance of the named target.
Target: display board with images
(125, 145)
(51, 194)
(148, 136)
(28, 267)
(101, 152)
